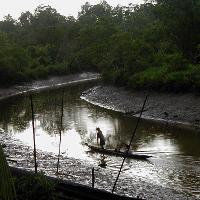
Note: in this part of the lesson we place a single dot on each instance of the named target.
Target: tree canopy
(154, 45)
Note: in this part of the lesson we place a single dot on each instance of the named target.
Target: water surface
(173, 171)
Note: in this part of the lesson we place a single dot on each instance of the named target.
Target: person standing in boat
(100, 137)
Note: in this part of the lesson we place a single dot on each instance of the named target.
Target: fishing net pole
(61, 129)
(33, 127)
(129, 144)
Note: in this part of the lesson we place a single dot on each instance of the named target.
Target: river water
(173, 172)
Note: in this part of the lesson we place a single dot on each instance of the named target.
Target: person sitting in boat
(100, 137)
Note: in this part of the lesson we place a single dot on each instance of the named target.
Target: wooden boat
(117, 153)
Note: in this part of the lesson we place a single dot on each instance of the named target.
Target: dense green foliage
(153, 45)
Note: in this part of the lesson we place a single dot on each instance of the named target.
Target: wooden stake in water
(33, 126)
(129, 144)
(61, 128)
(93, 178)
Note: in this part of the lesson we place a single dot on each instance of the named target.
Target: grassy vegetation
(34, 187)
(7, 189)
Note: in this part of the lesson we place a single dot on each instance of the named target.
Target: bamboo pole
(93, 177)
(130, 143)
(33, 127)
(60, 130)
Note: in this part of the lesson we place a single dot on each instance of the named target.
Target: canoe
(117, 153)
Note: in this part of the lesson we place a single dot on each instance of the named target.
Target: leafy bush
(193, 74)
(109, 75)
(177, 81)
(36, 73)
(58, 69)
(149, 78)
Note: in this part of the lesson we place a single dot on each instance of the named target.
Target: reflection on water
(103, 161)
(176, 153)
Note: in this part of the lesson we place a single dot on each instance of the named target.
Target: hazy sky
(65, 7)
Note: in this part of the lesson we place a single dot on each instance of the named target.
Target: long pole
(93, 177)
(61, 128)
(129, 144)
(33, 126)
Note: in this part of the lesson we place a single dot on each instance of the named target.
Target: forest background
(155, 45)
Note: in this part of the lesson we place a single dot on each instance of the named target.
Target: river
(173, 172)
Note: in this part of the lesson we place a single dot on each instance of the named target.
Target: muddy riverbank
(176, 109)
(51, 82)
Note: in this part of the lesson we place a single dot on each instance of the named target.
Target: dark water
(172, 173)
